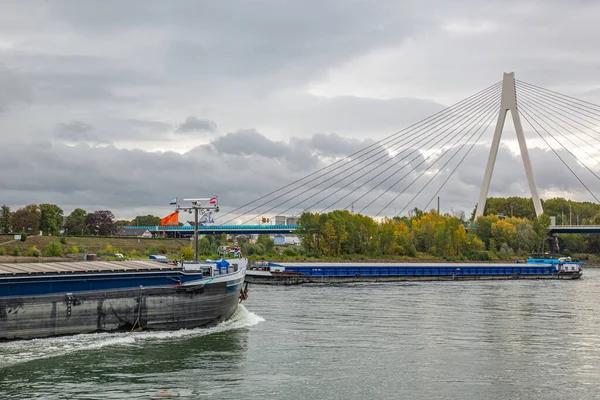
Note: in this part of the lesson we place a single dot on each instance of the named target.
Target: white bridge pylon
(508, 102)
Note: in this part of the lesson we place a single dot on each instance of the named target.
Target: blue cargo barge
(296, 273)
(51, 299)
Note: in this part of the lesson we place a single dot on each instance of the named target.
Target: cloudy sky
(126, 105)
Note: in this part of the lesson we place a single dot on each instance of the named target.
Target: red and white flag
(213, 201)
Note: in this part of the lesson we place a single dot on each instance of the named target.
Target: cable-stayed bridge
(411, 167)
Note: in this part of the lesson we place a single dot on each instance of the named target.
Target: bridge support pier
(552, 240)
(508, 103)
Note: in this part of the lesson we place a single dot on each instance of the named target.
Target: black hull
(160, 308)
(296, 279)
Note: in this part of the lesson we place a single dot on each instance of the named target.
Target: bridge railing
(212, 228)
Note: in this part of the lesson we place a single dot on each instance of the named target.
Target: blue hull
(34, 285)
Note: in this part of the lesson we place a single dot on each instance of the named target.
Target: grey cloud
(135, 70)
(333, 144)
(126, 180)
(249, 141)
(195, 124)
(147, 125)
(76, 131)
(13, 88)
(252, 39)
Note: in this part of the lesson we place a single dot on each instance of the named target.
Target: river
(521, 339)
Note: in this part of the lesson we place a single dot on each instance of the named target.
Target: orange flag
(171, 219)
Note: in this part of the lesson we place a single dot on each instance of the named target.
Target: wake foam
(23, 351)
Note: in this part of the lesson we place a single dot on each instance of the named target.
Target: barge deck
(299, 273)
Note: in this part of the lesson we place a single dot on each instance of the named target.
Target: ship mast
(200, 207)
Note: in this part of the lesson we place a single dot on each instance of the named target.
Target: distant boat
(563, 265)
(293, 273)
(50, 299)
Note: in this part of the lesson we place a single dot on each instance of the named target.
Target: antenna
(199, 205)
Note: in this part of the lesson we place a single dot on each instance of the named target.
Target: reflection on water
(431, 340)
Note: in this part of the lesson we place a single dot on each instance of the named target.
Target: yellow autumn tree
(504, 232)
(395, 238)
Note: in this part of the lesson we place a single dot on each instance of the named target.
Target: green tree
(540, 227)
(27, 219)
(75, 223)
(51, 219)
(483, 228)
(146, 220)
(309, 232)
(5, 219)
(121, 223)
(267, 242)
(206, 246)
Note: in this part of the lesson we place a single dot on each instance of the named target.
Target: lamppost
(511, 211)
(570, 220)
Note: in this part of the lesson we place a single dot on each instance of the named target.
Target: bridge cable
(385, 155)
(593, 114)
(560, 143)
(376, 167)
(381, 142)
(379, 166)
(562, 108)
(370, 180)
(484, 117)
(570, 98)
(545, 115)
(453, 170)
(382, 150)
(525, 115)
(490, 107)
(558, 114)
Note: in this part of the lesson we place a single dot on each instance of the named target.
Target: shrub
(566, 253)
(253, 249)
(151, 250)
(188, 253)
(289, 251)
(54, 250)
(2, 251)
(32, 252)
(16, 252)
(109, 249)
(162, 249)
(478, 256)
(63, 240)
(74, 250)
(23, 237)
(411, 250)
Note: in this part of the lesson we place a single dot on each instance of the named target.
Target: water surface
(428, 340)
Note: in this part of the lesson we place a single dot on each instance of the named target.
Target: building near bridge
(281, 240)
(135, 232)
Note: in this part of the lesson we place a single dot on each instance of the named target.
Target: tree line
(50, 220)
(510, 228)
